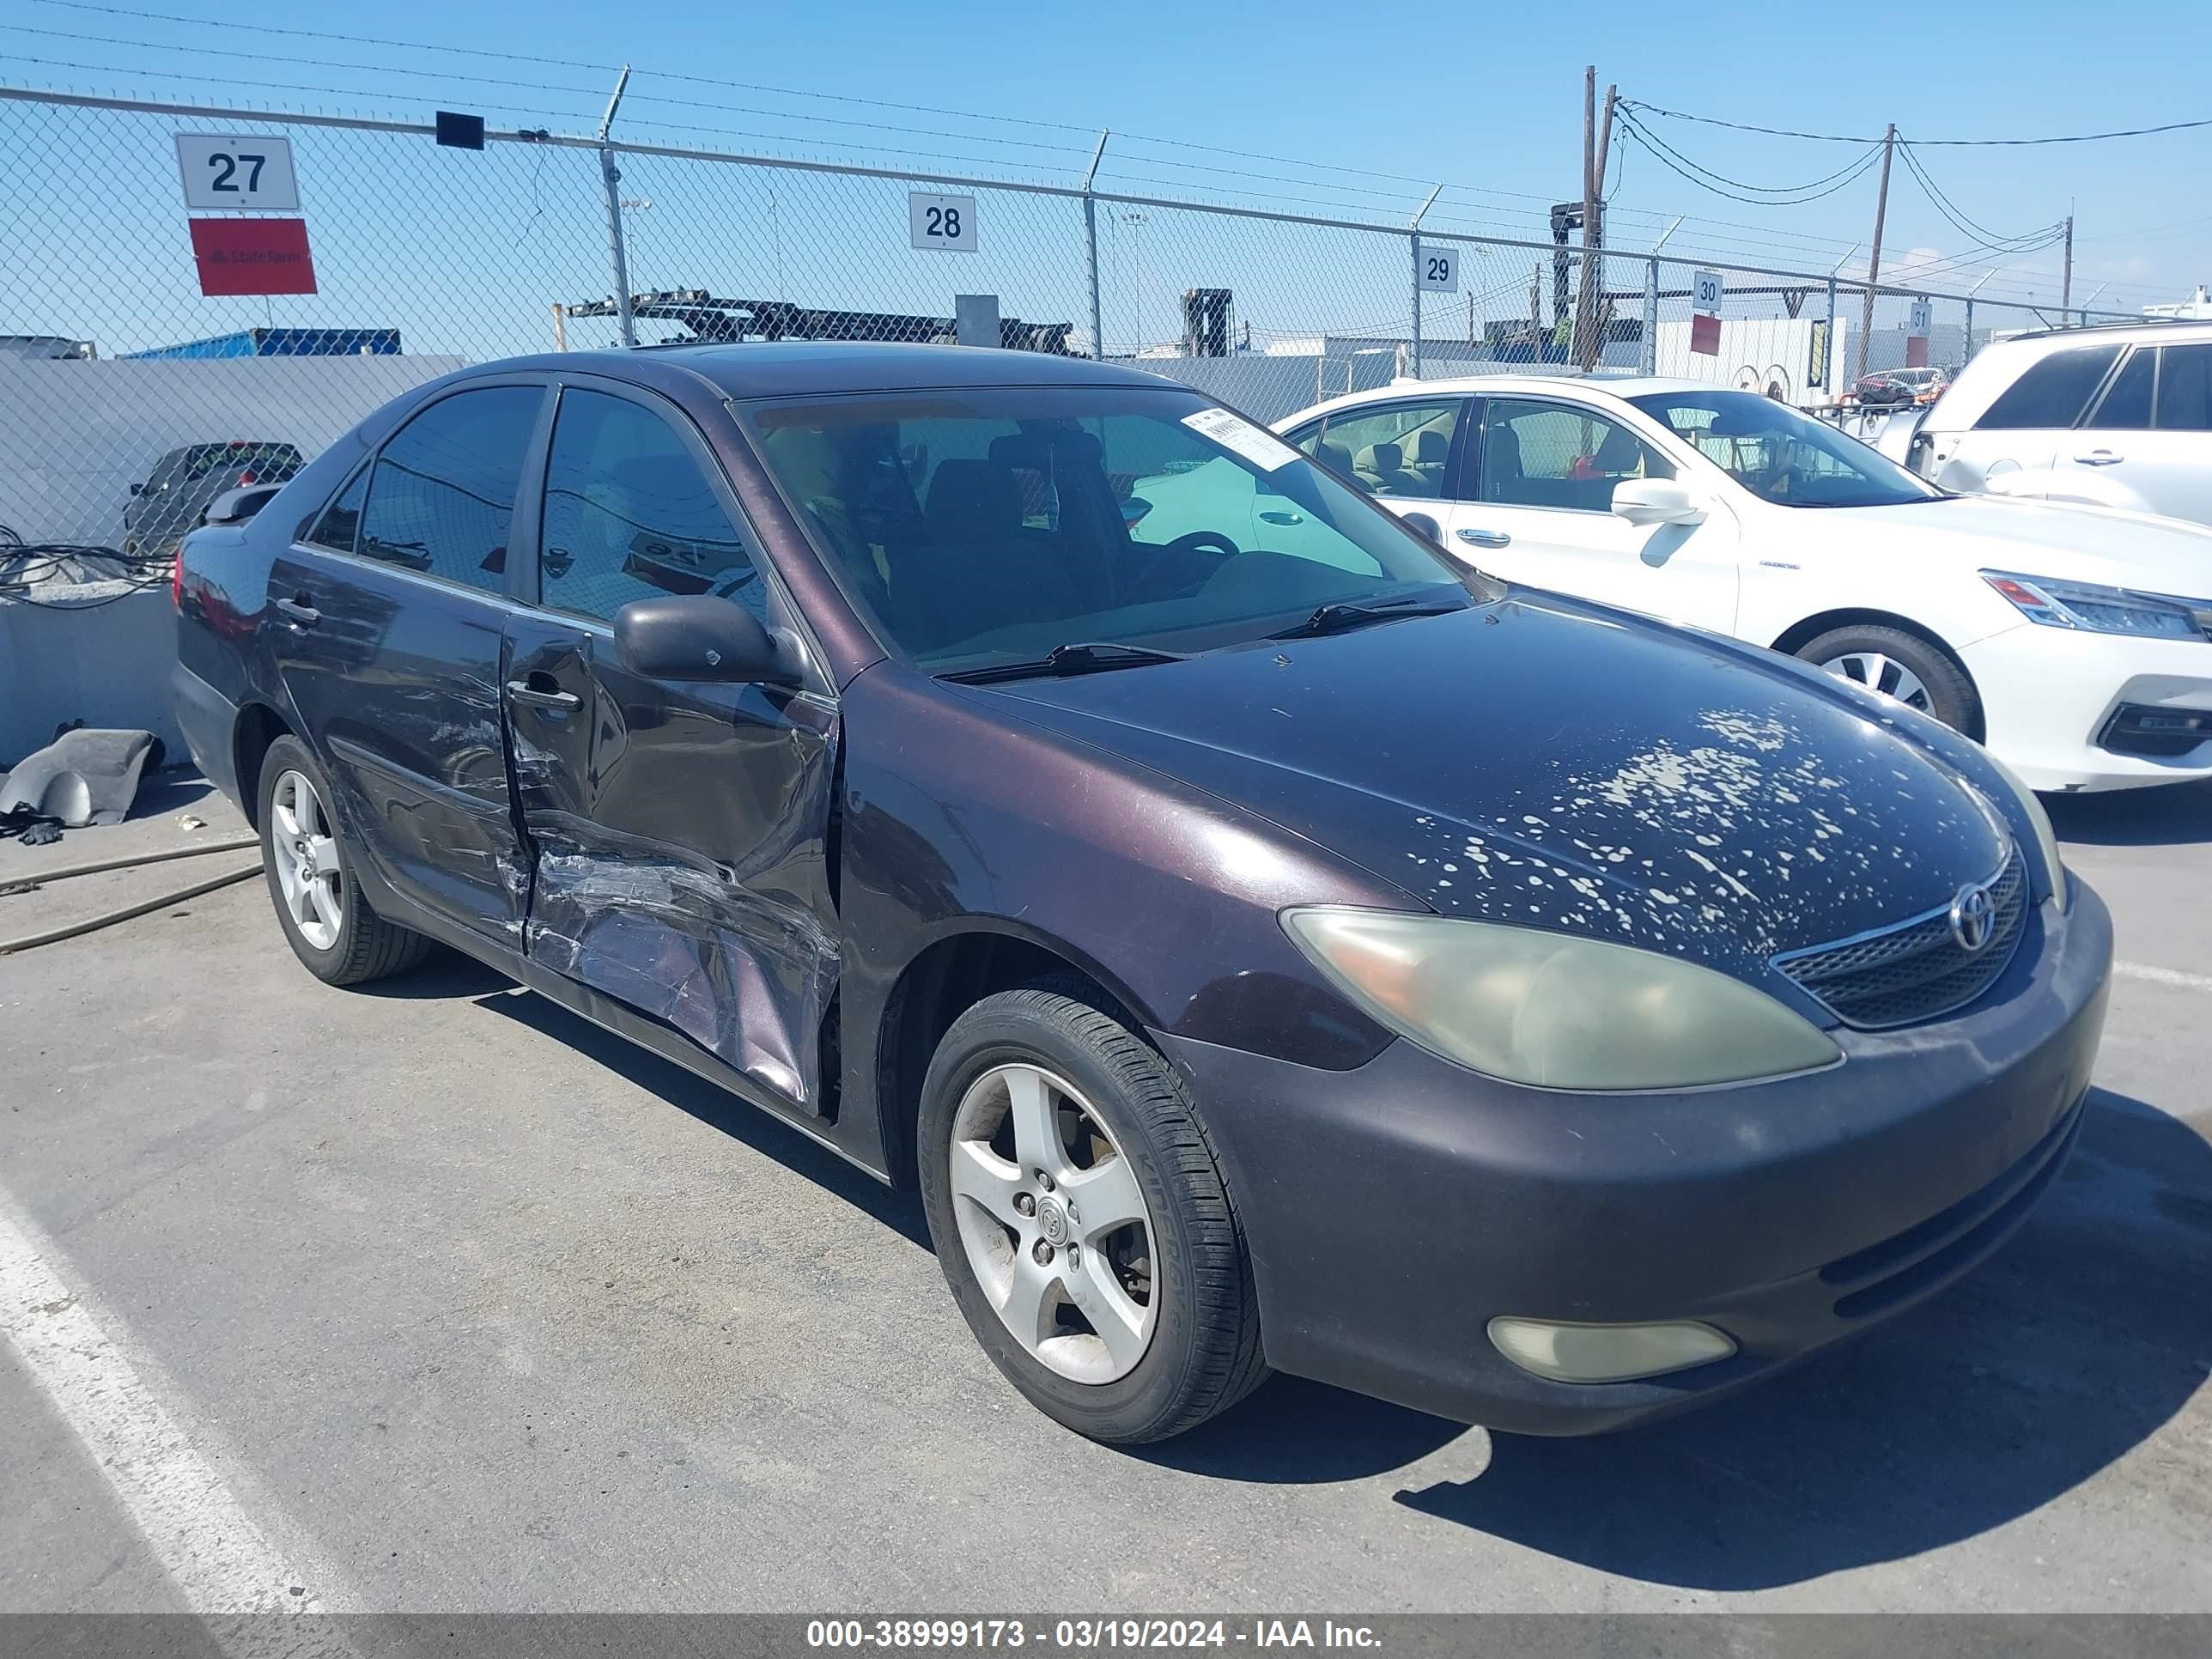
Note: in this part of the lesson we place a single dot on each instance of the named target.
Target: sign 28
(228, 171)
(940, 224)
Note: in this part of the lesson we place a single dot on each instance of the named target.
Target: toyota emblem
(1973, 919)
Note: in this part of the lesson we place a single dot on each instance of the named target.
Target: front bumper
(2049, 697)
(1392, 1210)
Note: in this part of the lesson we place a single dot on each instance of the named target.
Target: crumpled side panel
(745, 974)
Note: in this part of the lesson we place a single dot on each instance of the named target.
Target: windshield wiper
(1081, 657)
(1355, 613)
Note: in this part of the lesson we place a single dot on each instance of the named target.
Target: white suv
(2117, 415)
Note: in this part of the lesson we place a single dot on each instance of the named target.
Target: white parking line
(219, 1560)
(2143, 970)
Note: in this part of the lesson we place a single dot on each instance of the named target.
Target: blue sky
(1343, 110)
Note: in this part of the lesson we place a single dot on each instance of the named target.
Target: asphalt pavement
(430, 1297)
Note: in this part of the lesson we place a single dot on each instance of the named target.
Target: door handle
(1484, 537)
(1282, 518)
(538, 696)
(298, 611)
(2099, 458)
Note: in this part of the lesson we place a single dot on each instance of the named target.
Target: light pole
(1136, 223)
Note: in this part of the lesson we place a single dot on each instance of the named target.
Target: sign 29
(237, 171)
(940, 224)
(1438, 268)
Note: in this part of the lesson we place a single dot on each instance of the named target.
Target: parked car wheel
(1901, 666)
(327, 921)
(1081, 1220)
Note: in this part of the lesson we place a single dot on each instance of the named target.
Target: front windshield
(1782, 456)
(980, 526)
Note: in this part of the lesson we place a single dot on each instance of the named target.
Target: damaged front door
(679, 832)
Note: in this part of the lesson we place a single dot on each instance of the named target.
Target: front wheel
(1902, 666)
(1081, 1221)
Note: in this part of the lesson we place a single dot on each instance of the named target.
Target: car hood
(1544, 763)
(2060, 539)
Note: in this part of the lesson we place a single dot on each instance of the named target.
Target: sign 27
(229, 171)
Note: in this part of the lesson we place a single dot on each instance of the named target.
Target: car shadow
(2168, 816)
(173, 789)
(2079, 1340)
(714, 1106)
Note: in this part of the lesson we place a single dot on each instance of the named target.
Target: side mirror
(1656, 501)
(701, 638)
(1427, 526)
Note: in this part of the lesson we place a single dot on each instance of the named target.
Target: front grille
(1917, 969)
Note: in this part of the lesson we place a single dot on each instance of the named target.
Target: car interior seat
(1430, 450)
(1381, 468)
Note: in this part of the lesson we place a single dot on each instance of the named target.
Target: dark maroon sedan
(1265, 943)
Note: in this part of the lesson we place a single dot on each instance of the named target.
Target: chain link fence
(136, 395)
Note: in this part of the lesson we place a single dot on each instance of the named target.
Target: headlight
(2095, 609)
(2046, 838)
(1552, 1010)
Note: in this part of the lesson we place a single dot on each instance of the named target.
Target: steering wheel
(1197, 541)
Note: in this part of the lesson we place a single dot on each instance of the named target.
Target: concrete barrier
(107, 664)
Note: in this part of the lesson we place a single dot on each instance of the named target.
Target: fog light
(1606, 1353)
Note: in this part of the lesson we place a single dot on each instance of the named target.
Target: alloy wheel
(1053, 1224)
(1877, 672)
(307, 853)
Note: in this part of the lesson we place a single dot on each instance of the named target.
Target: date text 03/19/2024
(1083, 1635)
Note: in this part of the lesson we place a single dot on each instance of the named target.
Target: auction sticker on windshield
(1233, 432)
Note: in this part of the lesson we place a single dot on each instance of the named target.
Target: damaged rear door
(679, 832)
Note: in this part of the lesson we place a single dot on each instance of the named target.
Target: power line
(1678, 163)
(1966, 227)
(1947, 144)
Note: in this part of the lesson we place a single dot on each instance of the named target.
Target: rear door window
(2185, 389)
(1403, 450)
(341, 519)
(441, 499)
(2126, 406)
(2053, 393)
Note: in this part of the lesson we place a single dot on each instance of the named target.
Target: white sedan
(2076, 643)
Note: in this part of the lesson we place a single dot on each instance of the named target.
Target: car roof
(1513, 386)
(780, 368)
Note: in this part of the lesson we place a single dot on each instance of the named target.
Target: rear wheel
(327, 921)
(1899, 666)
(1081, 1220)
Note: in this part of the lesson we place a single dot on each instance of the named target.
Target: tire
(1200, 1352)
(339, 939)
(1901, 661)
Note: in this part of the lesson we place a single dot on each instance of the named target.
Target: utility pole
(1874, 253)
(1585, 305)
(2066, 283)
(1593, 240)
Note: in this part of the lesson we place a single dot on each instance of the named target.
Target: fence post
(1829, 370)
(1090, 249)
(1649, 363)
(1414, 239)
(612, 177)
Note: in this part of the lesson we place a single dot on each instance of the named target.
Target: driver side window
(1551, 455)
